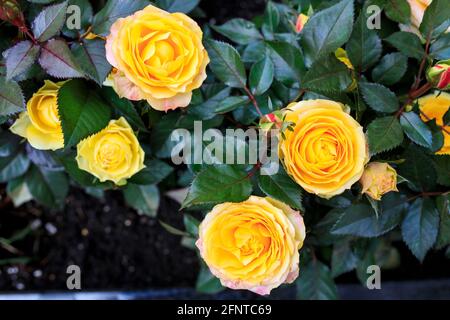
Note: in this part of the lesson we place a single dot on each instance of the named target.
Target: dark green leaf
(191, 224)
(327, 74)
(342, 259)
(398, 10)
(316, 282)
(49, 21)
(281, 187)
(11, 98)
(418, 170)
(442, 165)
(154, 172)
(207, 109)
(184, 6)
(391, 69)
(327, 30)
(20, 58)
(384, 134)
(207, 282)
(58, 61)
(226, 63)
(287, 60)
(420, 227)
(443, 207)
(239, 30)
(378, 97)
(261, 76)
(416, 129)
(436, 19)
(231, 103)
(407, 43)
(440, 49)
(47, 187)
(217, 184)
(82, 112)
(13, 166)
(91, 57)
(143, 198)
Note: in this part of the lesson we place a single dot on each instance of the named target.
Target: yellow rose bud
(378, 179)
(40, 124)
(327, 149)
(112, 154)
(159, 56)
(434, 106)
(439, 75)
(302, 19)
(253, 244)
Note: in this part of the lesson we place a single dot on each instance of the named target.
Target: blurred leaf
(316, 283)
(13, 166)
(207, 282)
(231, 103)
(58, 61)
(327, 30)
(82, 112)
(343, 259)
(443, 207)
(191, 224)
(420, 227)
(49, 188)
(384, 134)
(442, 165)
(418, 170)
(143, 198)
(226, 63)
(20, 58)
(391, 69)
(378, 97)
(440, 49)
(217, 184)
(49, 21)
(239, 30)
(416, 129)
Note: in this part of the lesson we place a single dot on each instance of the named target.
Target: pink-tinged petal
(125, 88)
(109, 42)
(179, 100)
(444, 81)
(292, 275)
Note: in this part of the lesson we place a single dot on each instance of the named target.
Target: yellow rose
(252, 245)
(326, 151)
(434, 106)
(378, 179)
(159, 56)
(112, 154)
(40, 124)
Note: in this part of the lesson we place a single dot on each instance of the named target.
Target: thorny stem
(253, 100)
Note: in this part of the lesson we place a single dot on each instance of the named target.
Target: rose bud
(301, 21)
(439, 75)
(378, 179)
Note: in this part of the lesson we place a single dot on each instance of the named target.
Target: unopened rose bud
(378, 179)
(10, 12)
(439, 75)
(301, 21)
(271, 120)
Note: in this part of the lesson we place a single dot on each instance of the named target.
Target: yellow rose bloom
(159, 57)
(434, 106)
(112, 154)
(40, 124)
(326, 151)
(253, 244)
(378, 179)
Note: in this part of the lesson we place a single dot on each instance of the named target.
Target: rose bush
(92, 101)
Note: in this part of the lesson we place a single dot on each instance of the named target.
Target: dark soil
(114, 246)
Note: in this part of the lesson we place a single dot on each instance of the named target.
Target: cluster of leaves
(262, 67)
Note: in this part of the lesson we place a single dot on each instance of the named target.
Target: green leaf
(416, 129)
(327, 30)
(184, 6)
(82, 177)
(440, 49)
(420, 227)
(207, 282)
(239, 30)
(47, 187)
(154, 172)
(364, 46)
(442, 165)
(82, 112)
(113, 10)
(407, 43)
(360, 219)
(271, 17)
(398, 10)
(287, 60)
(226, 63)
(343, 259)
(191, 224)
(281, 187)
(378, 97)
(436, 19)
(20, 58)
(384, 134)
(206, 109)
(124, 107)
(13, 166)
(261, 76)
(91, 57)
(231, 103)
(391, 69)
(58, 61)
(11, 98)
(316, 282)
(328, 74)
(418, 170)
(9, 143)
(49, 21)
(217, 184)
(443, 207)
(143, 198)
